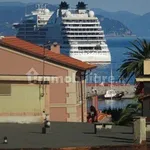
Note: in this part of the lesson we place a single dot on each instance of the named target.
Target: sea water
(118, 48)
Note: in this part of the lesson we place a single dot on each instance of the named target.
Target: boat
(112, 94)
(33, 26)
(78, 31)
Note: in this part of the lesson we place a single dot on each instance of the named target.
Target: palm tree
(133, 64)
(131, 111)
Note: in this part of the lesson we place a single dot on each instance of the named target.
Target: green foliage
(115, 113)
(133, 64)
(129, 113)
(124, 116)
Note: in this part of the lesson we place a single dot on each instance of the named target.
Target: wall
(61, 98)
(24, 101)
(71, 107)
(146, 107)
(146, 88)
(146, 67)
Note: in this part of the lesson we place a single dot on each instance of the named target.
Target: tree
(133, 64)
(131, 111)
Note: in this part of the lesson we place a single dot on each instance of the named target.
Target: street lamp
(47, 45)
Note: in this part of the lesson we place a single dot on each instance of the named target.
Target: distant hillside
(6, 4)
(123, 16)
(11, 12)
(140, 25)
(113, 27)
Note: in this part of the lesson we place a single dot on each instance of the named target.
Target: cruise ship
(78, 31)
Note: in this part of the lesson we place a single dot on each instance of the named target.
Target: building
(35, 80)
(145, 84)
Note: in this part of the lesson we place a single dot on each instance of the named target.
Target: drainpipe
(82, 100)
(44, 59)
(43, 70)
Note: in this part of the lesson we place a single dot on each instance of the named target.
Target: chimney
(55, 47)
(1, 37)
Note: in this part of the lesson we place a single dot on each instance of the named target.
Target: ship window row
(28, 25)
(24, 24)
(29, 21)
(83, 38)
(84, 48)
(46, 29)
(67, 29)
(80, 25)
(26, 29)
(30, 37)
(89, 48)
(42, 21)
(35, 36)
(80, 21)
(82, 42)
(86, 51)
(31, 29)
(32, 33)
(63, 33)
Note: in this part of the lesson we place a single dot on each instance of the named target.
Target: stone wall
(129, 90)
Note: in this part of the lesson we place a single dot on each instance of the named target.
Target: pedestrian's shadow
(118, 139)
(89, 132)
(36, 132)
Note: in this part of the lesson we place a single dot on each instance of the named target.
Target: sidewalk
(62, 135)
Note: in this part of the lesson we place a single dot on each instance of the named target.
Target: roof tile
(32, 49)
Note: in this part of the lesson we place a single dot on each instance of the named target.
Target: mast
(111, 80)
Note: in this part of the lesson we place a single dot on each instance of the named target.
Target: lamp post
(82, 76)
(47, 45)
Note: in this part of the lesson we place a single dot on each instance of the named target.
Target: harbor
(101, 89)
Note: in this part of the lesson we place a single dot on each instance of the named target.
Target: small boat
(112, 94)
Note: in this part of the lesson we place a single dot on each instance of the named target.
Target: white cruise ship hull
(93, 58)
(78, 31)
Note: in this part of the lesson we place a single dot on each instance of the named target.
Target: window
(5, 89)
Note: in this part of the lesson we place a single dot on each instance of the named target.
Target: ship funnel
(81, 6)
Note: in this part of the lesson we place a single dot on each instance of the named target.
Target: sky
(135, 6)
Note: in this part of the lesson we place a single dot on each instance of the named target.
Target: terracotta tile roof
(37, 51)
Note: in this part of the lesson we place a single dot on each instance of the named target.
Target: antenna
(111, 76)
